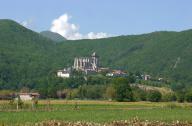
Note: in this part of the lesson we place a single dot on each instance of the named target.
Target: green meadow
(96, 111)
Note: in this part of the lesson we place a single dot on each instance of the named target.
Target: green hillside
(26, 58)
(53, 36)
(166, 54)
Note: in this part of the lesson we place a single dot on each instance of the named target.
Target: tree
(123, 90)
(82, 91)
(34, 103)
(95, 91)
(67, 93)
(177, 87)
(138, 75)
(61, 94)
(154, 96)
(139, 94)
(180, 97)
(20, 103)
(110, 92)
(74, 93)
(188, 96)
(169, 97)
(131, 78)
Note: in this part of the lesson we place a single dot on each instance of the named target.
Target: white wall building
(28, 96)
(63, 73)
(147, 77)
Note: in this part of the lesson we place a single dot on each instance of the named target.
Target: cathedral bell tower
(95, 61)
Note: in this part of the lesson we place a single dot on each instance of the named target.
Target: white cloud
(99, 35)
(70, 31)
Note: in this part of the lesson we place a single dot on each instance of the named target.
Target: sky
(92, 19)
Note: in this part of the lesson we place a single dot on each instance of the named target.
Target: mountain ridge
(26, 58)
(53, 36)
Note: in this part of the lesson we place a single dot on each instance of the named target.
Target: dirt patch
(133, 122)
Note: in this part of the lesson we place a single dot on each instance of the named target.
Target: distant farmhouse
(8, 95)
(28, 96)
(116, 73)
(65, 73)
(87, 64)
(147, 77)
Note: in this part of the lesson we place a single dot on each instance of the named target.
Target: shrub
(154, 96)
(95, 92)
(139, 94)
(188, 96)
(169, 97)
(123, 90)
(110, 92)
(180, 97)
(75, 93)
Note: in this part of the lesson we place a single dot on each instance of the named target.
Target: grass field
(97, 111)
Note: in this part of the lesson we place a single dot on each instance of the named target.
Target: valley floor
(95, 111)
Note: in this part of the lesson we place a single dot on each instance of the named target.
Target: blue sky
(114, 17)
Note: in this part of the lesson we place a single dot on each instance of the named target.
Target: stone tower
(87, 63)
(95, 61)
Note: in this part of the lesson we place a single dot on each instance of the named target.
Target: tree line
(101, 87)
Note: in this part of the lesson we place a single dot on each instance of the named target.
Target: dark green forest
(27, 59)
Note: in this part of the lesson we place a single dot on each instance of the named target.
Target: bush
(123, 90)
(154, 96)
(110, 93)
(139, 94)
(169, 97)
(35, 102)
(75, 93)
(180, 97)
(188, 96)
(20, 103)
(95, 91)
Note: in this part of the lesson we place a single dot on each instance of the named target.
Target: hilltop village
(91, 65)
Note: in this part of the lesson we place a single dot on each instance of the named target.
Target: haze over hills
(53, 36)
(26, 58)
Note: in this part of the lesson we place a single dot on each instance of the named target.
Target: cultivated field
(94, 111)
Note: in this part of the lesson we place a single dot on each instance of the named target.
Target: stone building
(147, 77)
(28, 96)
(65, 73)
(87, 64)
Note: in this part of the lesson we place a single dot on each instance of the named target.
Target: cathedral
(87, 64)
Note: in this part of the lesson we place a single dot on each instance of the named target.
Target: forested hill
(26, 58)
(165, 54)
(24, 55)
(53, 36)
